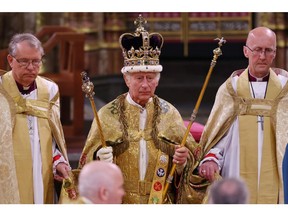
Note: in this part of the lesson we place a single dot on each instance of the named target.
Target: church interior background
(76, 42)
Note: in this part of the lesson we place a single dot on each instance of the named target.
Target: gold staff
(217, 52)
(69, 184)
(88, 89)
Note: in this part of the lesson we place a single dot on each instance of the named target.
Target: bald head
(101, 182)
(260, 50)
(228, 191)
(261, 33)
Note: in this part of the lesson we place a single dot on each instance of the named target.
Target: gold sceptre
(69, 184)
(88, 89)
(217, 52)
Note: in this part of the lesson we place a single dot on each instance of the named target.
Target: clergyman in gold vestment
(142, 131)
(246, 133)
(37, 137)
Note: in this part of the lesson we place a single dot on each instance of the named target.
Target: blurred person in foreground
(228, 191)
(101, 182)
(246, 132)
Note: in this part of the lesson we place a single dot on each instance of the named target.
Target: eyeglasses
(258, 50)
(26, 62)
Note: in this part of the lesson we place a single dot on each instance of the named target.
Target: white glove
(105, 154)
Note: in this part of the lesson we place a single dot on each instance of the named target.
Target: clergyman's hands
(62, 171)
(208, 169)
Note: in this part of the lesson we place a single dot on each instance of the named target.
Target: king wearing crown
(141, 50)
(143, 132)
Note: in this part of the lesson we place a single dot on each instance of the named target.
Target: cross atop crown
(139, 22)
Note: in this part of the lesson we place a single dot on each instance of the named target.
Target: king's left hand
(180, 156)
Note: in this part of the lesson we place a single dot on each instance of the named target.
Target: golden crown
(141, 50)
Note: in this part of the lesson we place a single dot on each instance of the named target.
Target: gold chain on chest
(119, 105)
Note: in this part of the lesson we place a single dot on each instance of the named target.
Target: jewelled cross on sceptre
(217, 52)
(140, 21)
(261, 120)
(221, 41)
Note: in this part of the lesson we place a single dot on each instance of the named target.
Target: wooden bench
(70, 51)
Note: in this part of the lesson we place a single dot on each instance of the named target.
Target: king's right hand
(105, 154)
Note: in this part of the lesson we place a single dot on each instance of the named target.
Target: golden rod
(69, 184)
(217, 52)
(88, 89)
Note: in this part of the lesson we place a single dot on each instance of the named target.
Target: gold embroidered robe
(120, 124)
(222, 116)
(9, 193)
(49, 126)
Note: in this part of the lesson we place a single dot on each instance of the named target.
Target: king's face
(142, 86)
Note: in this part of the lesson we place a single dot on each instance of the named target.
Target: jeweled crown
(141, 50)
